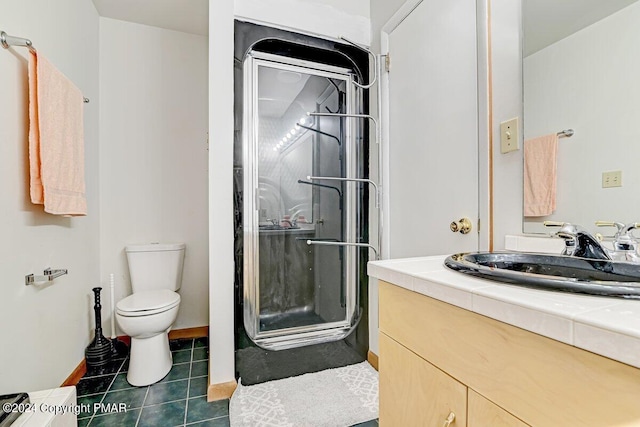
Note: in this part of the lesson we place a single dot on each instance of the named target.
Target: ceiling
(189, 16)
(547, 21)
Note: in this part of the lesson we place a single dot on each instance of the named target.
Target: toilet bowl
(148, 314)
(147, 318)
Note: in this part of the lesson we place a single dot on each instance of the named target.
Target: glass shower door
(295, 293)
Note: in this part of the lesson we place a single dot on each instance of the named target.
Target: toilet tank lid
(155, 247)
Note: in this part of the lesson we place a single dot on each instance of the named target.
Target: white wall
(221, 244)
(45, 329)
(506, 47)
(153, 154)
(325, 18)
(594, 89)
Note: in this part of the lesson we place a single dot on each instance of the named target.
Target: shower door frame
(301, 335)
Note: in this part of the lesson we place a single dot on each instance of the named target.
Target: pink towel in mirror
(540, 162)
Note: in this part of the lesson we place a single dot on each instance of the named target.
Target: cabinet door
(413, 392)
(483, 413)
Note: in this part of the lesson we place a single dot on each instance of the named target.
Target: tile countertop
(603, 325)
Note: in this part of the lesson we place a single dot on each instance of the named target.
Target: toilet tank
(155, 266)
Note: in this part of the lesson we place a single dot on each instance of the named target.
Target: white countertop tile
(556, 327)
(551, 302)
(603, 325)
(625, 316)
(605, 342)
(398, 271)
(448, 294)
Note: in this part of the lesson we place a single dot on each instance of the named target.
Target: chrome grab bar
(49, 275)
(330, 243)
(332, 178)
(375, 64)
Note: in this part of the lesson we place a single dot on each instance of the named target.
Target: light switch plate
(611, 179)
(509, 136)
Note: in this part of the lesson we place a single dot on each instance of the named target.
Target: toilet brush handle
(96, 308)
(113, 306)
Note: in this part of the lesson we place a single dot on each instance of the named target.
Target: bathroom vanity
(462, 351)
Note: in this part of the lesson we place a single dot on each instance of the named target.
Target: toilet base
(150, 360)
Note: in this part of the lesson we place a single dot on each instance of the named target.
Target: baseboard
(81, 369)
(186, 333)
(125, 339)
(77, 373)
(221, 391)
(372, 358)
(197, 332)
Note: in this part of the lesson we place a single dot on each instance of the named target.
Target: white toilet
(148, 314)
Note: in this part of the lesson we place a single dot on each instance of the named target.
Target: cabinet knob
(463, 226)
(451, 418)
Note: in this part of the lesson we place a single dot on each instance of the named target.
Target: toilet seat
(147, 303)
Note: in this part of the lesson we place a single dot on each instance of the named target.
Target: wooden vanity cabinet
(436, 359)
(484, 413)
(415, 393)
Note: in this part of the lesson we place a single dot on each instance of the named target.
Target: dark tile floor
(180, 399)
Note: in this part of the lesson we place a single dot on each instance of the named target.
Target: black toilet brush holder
(100, 351)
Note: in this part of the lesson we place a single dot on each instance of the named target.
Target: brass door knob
(463, 226)
(450, 419)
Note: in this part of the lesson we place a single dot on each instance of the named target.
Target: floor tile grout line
(143, 401)
(162, 403)
(163, 382)
(186, 407)
(115, 374)
(111, 385)
(93, 415)
(89, 395)
(208, 419)
(104, 375)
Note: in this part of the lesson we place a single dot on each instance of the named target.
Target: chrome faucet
(292, 222)
(579, 242)
(625, 246)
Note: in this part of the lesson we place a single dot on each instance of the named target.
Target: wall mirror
(581, 68)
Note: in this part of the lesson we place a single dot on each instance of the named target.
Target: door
(433, 129)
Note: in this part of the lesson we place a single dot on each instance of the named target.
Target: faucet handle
(631, 226)
(620, 226)
(553, 223)
(624, 241)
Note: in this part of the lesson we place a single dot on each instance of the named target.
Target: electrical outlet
(509, 136)
(611, 179)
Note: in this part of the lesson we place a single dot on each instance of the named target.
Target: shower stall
(303, 210)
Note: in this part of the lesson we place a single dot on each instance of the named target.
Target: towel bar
(565, 133)
(6, 41)
(49, 275)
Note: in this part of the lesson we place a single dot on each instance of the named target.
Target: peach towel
(56, 140)
(540, 161)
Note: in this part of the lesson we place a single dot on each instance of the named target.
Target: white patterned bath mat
(338, 397)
